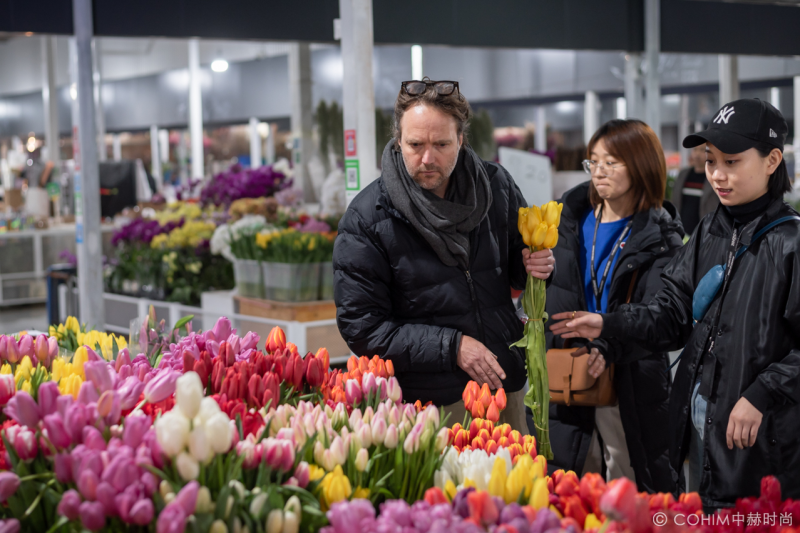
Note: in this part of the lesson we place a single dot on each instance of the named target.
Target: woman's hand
(539, 264)
(743, 425)
(597, 363)
(577, 324)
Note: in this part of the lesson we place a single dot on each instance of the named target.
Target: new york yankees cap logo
(741, 125)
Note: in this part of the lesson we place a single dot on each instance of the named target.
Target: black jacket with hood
(640, 378)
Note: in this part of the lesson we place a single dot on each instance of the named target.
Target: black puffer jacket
(757, 351)
(640, 377)
(395, 298)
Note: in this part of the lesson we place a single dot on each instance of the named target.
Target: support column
(540, 136)
(302, 117)
(270, 154)
(195, 110)
(97, 78)
(255, 144)
(591, 116)
(155, 158)
(50, 98)
(728, 79)
(621, 108)
(775, 97)
(358, 95)
(684, 125)
(86, 178)
(633, 86)
(116, 147)
(652, 46)
(163, 147)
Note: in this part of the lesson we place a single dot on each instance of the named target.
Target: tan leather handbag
(569, 379)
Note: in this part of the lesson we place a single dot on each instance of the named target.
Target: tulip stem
(36, 476)
(37, 500)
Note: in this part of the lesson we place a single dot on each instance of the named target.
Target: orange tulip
(529, 445)
(692, 501)
(456, 427)
(484, 435)
(658, 502)
(390, 367)
(380, 370)
(500, 399)
(325, 357)
(478, 410)
(292, 347)
(352, 364)
(489, 425)
(276, 340)
(418, 406)
(491, 447)
(469, 400)
(474, 427)
(485, 397)
(503, 442)
(514, 450)
(462, 438)
(482, 509)
(363, 364)
(493, 413)
(573, 508)
(478, 443)
(434, 495)
(515, 436)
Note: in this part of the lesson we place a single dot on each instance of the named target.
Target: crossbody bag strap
(763, 230)
(632, 285)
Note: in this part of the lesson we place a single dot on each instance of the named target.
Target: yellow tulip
(450, 490)
(551, 213)
(24, 369)
(5, 369)
(540, 497)
(497, 483)
(525, 462)
(335, 486)
(469, 483)
(534, 218)
(315, 472)
(518, 482)
(26, 386)
(526, 236)
(539, 235)
(536, 470)
(522, 219)
(551, 239)
(73, 325)
(591, 522)
(70, 385)
(361, 493)
(81, 356)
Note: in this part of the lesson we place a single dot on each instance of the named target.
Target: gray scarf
(445, 223)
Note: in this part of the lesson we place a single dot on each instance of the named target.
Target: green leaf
(182, 322)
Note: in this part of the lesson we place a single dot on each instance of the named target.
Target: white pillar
(102, 152)
(183, 170)
(302, 117)
(358, 95)
(86, 178)
(155, 158)
(591, 115)
(163, 146)
(255, 144)
(50, 98)
(796, 128)
(652, 46)
(116, 147)
(728, 79)
(621, 108)
(416, 62)
(684, 125)
(270, 155)
(540, 135)
(775, 97)
(195, 109)
(633, 86)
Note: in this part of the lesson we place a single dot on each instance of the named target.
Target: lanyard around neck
(598, 290)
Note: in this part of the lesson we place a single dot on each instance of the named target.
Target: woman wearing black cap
(735, 402)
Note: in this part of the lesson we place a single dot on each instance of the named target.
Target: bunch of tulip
(479, 402)
(366, 383)
(539, 230)
(484, 435)
(71, 335)
(41, 350)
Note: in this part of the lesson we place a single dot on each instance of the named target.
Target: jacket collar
(722, 223)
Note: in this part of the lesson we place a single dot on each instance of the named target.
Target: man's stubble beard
(444, 174)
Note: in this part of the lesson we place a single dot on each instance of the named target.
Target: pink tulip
(246, 448)
(379, 429)
(92, 515)
(63, 468)
(394, 391)
(12, 350)
(52, 350)
(222, 329)
(301, 474)
(187, 496)
(250, 341)
(368, 384)
(352, 392)
(142, 512)
(3, 347)
(70, 503)
(24, 409)
(135, 428)
(87, 484)
(123, 359)
(9, 483)
(124, 503)
(10, 525)
(150, 483)
(93, 439)
(99, 373)
(105, 495)
(129, 392)
(62, 404)
(41, 350)
(93, 355)
(87, 393)
(25, 444)
(77, 417)
(172, 519)
(235, 343)
(26, 348)
(162, 386)
(48, 397)
(382, 386)
(7, 388)
(56, 431)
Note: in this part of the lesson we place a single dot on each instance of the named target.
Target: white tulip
(187, 467)
(218, 526)
(293, 505)
(362, 457)
(257, 505)
(172, 431)
(275, 521)
(290, 523)
(198, 445)
(208, 408)
(189, 394)
(204, 503)
(218, 431)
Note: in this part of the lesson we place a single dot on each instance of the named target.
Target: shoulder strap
(763, 230)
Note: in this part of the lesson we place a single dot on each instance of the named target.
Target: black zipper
(475, 306)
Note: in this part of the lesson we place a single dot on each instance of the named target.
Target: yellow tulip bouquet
(539, 229)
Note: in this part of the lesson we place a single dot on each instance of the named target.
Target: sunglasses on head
(443, 88)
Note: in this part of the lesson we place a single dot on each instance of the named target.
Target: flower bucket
(249, 278)
(326, 281)
(291, 282)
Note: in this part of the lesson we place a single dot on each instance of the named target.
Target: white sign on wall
(531, 172)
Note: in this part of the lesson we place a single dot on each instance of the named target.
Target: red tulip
(482, 509)
(461, 438)
(314, 372)
(292, 348)
(276, 340)
(500, 399)
(469, 400)
(434, 495)
(573, 508)
(255, 391)
(619, 501)
(771, 490)
(202, 371)
(478, 410)
(692, 501)
(325, 358)
(491, 447)
(478, 443)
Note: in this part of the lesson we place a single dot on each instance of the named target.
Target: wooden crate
(291, 311)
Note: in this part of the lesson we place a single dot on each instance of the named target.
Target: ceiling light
(263, 130)
(31, 144)
(219, 65)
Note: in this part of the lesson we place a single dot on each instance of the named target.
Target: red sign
(349, 143)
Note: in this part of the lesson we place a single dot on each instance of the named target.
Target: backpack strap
(763, 230)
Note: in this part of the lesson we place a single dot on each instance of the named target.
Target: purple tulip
(9, 483)
(142, 512)
(106, 495)
(129, 391)
(162, 386)
(24, 409)
(10, 525)
(56, 431)
(520, 524)
(172, 519)
(135, 428)
(124, 502)
(545, 520)
(460, 505)
(92, 515)
(100, 375)
(250, 341)
(70, 505)
(344, 515)
(187, 497)
(48, 397)
(510, 512)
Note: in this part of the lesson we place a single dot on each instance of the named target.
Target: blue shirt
(607, 235)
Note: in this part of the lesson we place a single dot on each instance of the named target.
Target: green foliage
(481, 135)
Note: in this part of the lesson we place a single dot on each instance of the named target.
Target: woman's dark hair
(455, 105)
(635, 144)
(779, 182)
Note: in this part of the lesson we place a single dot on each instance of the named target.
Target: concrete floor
(23, 318)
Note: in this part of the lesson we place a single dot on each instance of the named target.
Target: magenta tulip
(7, 388)
(162, 386)
(93, 439)
(368, 384)
(24, 409)
(87, 484)
(56, 431)
(142, 512)
(172, 519)
(92, 515)
(12, 350)
(187, 497)
(70, 505)
(9, 483)
(48, 397)
(63, 468)
(135, 428)
(106, 495)
(10, 525)
(222, 329)
(25, 444)
(26, 348)
(99, 373)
